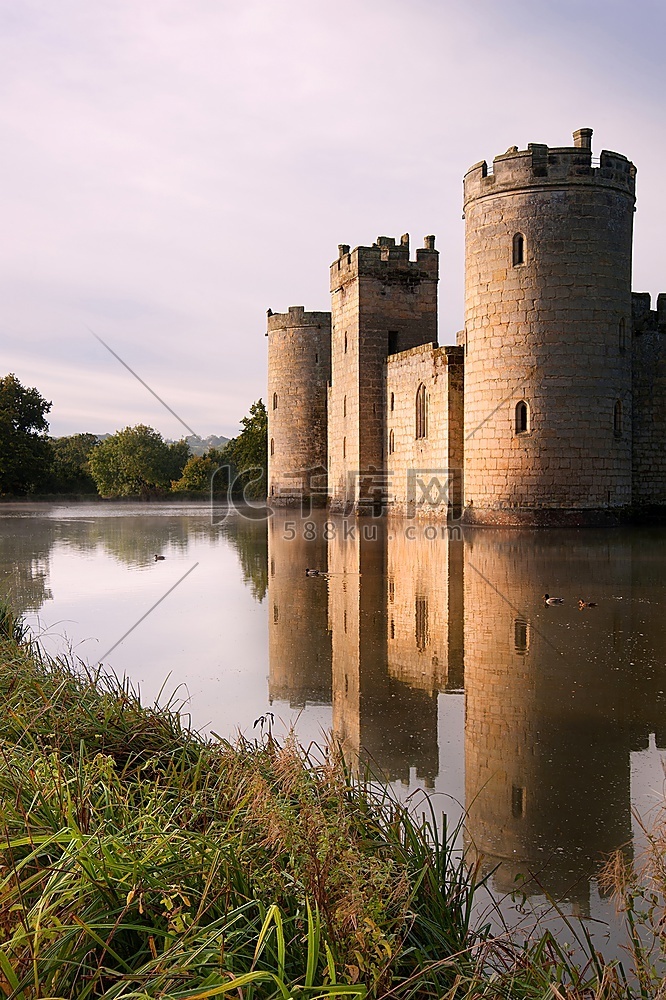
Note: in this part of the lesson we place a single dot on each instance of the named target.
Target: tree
(25, 451)
(248, 453)
(71, 470)
(198, 473)
(137, 461)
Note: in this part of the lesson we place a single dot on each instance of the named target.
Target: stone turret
(547, 334)
(382, 303)
(299, 368)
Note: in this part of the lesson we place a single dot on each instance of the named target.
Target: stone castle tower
(382, 304)
(299, 370)
(551, 408)
(547, 330)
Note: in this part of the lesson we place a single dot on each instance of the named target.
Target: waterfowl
(159, 558)
(547, 599)
(586, 604)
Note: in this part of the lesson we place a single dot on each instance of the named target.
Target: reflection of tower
(384, 720)
(424, 607)
(548, 304)
(547, 730)
(299, 368)
(299, 640)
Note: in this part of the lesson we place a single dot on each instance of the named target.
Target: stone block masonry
(299, 368)
(553, 402)
(649, 401)
(547, 295)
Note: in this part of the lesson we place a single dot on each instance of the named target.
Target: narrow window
(344, 620)
(421, 412)
(518, 249)
(345, 343)
(391, 589)
(276, 614)
(344, 447)
(275, 400)
(391, 443)
(344, 407)
(617, 419)
(517, 802)
(392, 633)
(522, 417)
(521, 635)
(393, 342)
(421, 630)
(623, 335)
(316, 359)
(272, 567)
(392, 402)
(272, 446)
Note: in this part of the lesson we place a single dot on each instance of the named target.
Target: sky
(173, 168)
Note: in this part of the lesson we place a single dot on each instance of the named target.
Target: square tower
(381, 303)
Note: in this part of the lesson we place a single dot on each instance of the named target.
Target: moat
(430, 653)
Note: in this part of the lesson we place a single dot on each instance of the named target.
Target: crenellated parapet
(541, 166)
(386, 261)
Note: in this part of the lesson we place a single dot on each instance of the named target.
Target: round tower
(547, 334)
(299, 369)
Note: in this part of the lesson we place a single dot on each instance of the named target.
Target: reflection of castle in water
(555, 699)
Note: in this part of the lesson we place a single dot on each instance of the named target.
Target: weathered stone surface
(299, 368)
(553, 404)
(544, 329)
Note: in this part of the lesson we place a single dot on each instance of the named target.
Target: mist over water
(430, 654)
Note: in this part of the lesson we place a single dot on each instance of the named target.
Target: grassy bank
(141, 860)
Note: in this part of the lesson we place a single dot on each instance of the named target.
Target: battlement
(542, 166)
(387, 261)
(447, 355)
(297, 317)
(644, 319)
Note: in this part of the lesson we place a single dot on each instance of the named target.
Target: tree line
(133, 462)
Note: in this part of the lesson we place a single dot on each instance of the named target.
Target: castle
(550, 409)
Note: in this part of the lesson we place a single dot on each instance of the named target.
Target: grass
(139, 859)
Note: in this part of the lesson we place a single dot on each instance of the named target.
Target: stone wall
(649, 401)
(424, 474)
(382, 302)
(543, 325)
(299, 368)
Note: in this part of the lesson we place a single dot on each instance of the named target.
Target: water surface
(433, 657)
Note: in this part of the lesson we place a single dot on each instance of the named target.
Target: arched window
(421, 412)
(392, 401)
(617, 419)
(518, 249)
(522, 417)
(272, 446)
(275, 400)
(623, 335)
(391, 443)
